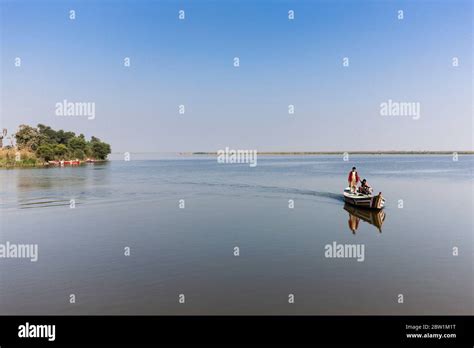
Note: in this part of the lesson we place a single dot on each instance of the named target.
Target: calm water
(190, 251)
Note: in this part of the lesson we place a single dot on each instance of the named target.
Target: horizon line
(381, 152)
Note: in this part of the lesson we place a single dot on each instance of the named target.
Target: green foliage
(100, 149)
(27, 138)
(45, 152)
(78, 154)
(49, 144)
(77, 143)
(61, 151)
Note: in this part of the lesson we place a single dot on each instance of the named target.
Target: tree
(48, 143)
(60, 151)
(45, 152)
(100, 150)
(77, 143)
(27, 138)
(47, 134)
(64, 137)
(78, 154)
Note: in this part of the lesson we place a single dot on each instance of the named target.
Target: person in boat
(353, 179)
(364, 188)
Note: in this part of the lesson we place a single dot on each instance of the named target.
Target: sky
(283, 62)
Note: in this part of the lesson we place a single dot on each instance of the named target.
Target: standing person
(353, 179)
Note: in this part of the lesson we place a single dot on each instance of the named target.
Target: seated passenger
(364, 188)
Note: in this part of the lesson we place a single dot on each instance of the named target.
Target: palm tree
(3, 135)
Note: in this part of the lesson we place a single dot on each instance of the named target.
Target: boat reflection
(373, 217)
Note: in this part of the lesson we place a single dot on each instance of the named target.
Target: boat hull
(364, 201)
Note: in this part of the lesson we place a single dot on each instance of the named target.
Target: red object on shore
(62, 163)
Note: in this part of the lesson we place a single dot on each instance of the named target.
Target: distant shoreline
(304, 153)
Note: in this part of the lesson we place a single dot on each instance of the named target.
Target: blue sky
(283, 62)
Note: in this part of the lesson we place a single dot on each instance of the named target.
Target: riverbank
(42, 146)
(14, 158)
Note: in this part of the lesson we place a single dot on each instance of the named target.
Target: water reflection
(373, 217)
(56, 186)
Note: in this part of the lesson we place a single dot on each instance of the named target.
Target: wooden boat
(364, 201)
(373, 217)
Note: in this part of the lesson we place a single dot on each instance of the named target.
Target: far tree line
(49, 144)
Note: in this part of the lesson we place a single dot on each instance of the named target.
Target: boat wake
(159, 193)
(41, 203)
(271, 189)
